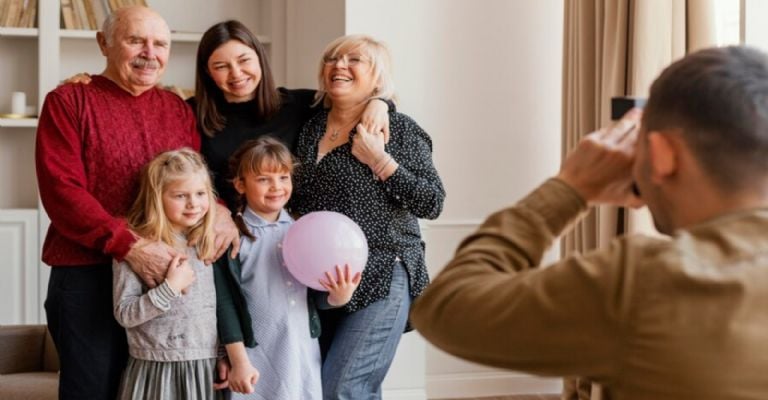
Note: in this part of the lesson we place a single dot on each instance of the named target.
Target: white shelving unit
(18, 32)
(18, 122)
(176, 37)
(35, 60)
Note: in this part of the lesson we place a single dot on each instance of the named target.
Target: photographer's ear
(662, 153)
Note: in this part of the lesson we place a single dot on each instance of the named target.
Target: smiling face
(186, 201)
(266, 192)
(348, 76)
(138, 49)
(234, 67)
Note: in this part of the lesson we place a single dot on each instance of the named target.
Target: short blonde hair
(147, 215)
(375, 50)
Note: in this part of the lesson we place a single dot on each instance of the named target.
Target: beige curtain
(616, 48)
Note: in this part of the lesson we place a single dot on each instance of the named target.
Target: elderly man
(92, 141)
(678, 318)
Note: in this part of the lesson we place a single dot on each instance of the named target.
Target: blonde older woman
(384, 187)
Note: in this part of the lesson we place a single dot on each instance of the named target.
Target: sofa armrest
(50, 355)
(22, 348)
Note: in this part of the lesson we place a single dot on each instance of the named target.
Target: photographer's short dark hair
(718, 98)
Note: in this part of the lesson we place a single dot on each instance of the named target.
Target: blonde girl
(270, 311)
(171, 328)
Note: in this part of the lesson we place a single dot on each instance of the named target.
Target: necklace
(336, 132)
(334, 135)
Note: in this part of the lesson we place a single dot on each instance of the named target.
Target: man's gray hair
(108, 28)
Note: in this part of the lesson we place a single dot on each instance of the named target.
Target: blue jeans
(92, 346)
(358, 348)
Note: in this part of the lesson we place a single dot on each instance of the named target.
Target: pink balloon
(319, 241)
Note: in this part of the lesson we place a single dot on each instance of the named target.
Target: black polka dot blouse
(387, 211)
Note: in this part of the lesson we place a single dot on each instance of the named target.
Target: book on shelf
(90, 15)
(80, 15)
(4, 4)
(68, 14)
(5, 12)
(100, 11)
(86, 14)
(115, 4)
(12, 11)
(28, 17)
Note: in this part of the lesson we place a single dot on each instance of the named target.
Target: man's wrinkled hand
(225, 234)
(150, 259)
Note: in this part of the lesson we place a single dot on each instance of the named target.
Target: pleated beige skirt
(173, 380)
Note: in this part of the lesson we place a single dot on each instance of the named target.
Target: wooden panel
(19, 267)
(451, 377)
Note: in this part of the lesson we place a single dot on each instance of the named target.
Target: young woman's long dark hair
(207, 94)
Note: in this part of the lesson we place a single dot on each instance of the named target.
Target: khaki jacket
(650, 318)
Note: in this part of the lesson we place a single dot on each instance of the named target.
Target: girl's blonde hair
(147, 216)
(257, 156)
(373, 49)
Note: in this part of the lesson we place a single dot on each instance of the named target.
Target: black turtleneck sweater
(243, 123)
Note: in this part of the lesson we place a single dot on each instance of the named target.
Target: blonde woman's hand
(368, 146)
(375, 117)
(340, 289)
(225, 233)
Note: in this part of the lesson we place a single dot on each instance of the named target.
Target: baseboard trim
(486, 384)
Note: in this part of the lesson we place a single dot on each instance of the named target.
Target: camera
(620, 105)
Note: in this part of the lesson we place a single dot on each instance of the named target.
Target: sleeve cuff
(162, 296)
(121, 243)
(321, 301)
(221, 352)
(399, 181)
(391, 107)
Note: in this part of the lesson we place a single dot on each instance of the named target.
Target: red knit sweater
(92, 141)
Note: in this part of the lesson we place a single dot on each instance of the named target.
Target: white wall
(754, 28)
(310, 26)
(486, 83)
(484, 79)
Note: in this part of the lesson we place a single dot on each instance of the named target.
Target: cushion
(30, 386)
